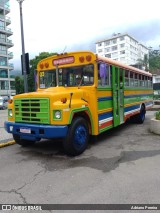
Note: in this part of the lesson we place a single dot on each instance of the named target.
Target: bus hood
(55, 93)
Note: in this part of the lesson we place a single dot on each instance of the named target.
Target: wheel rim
(80, 137)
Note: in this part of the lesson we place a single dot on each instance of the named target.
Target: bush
(157, 115)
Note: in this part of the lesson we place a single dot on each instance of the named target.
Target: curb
(7, 144)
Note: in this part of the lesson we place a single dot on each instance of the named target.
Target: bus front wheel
(77, 137)
(22, 142)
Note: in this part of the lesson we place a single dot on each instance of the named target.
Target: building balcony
(6, 54)
(10, 55)
(6, 31)
(5, 7)
(11, 66)
(5, 19)
(8, 20)
(6, 42)
(3, 76)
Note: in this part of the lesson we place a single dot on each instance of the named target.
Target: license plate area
(25, 130)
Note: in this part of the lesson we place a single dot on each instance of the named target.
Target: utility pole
(23, 47)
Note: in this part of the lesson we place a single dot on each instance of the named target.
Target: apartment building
(7, 82)
(122, 47)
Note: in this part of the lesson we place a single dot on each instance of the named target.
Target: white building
(156, 78)
(7, 82)
(122, 47)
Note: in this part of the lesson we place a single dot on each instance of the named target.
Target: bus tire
(77, 137)
(140, 117)
(22, 142)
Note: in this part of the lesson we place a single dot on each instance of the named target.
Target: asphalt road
(122, 167)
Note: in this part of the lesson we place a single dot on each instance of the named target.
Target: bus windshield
(68, 77)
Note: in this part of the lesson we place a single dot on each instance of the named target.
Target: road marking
(7, 144)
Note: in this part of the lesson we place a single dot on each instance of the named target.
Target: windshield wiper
(80, 82)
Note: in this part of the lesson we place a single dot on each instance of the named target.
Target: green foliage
(33, 66)
(19, 85)
(157, 115)
(154, 61)
(144, 62)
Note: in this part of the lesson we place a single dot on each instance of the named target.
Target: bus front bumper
(35, 132)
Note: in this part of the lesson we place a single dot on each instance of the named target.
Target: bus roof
(119, 64)
(96, 57)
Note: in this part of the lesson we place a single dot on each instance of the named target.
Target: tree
(19, 85)
(154, 61)
(143, 62)
(33, 67)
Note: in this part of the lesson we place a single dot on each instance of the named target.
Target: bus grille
(32, 110)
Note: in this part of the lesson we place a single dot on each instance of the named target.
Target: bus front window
(77, 76)
(68, 77)
(47, 79)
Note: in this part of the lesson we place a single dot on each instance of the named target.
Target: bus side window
(103, 74)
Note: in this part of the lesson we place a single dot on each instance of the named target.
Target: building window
(2, 37)
(100, 51)
(108, 55)
(99, 44)
(115, 54)
(3, 73)
(114, 41)
(2, 25)
(107, 49)
(114, 48)
(107, 43)
(122, 45)
(3, 50)
(3, 61)
(122, 52)
(121, 38)
(4, 85)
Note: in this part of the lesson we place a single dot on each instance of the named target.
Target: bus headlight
(57, 114)
(10, 113)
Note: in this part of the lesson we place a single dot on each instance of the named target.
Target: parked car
(3, 103)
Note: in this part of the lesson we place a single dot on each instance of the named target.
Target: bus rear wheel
(22, 142)
(140, 117)
(77, 137)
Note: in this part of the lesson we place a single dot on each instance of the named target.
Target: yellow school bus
(79, 94)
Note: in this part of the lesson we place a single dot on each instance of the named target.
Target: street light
(23, 48)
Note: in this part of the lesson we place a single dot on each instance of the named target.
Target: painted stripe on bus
(105, 119)
(137, 95)
(138, 92)
(109, 98)
(131, 108)
(109, 123)
(105, 116)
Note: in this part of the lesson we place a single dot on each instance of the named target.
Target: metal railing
(3, 76)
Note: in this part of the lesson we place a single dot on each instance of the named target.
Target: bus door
(121, 73)
(117, 91)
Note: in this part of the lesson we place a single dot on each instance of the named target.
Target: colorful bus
(79, 94)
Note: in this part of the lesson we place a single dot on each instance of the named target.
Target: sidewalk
(156, 106)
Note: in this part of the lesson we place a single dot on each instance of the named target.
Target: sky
(70, 25)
